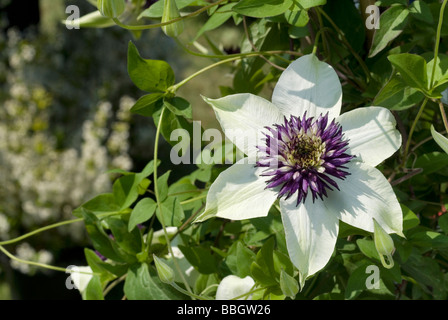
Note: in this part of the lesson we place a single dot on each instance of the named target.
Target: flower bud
(111, 8)
(170, 12)
(166, 274)
(384, 245)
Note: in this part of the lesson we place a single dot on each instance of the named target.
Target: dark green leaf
(432, 162)
(101, 241)
(130, 242)
(421, 11)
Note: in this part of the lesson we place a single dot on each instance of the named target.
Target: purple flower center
(304, 155)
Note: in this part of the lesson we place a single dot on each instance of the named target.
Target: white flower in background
(317, 163)
(4, 226)
(232, 287)
(25, 252)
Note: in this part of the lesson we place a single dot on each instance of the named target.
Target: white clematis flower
(318, 163)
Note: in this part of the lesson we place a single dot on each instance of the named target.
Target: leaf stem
(442, 112)
(436, 48)
(41, 265)
(29, 234)
(345, 41)
(408, 142)
(175, 87)
(159, 205)
(157, 25)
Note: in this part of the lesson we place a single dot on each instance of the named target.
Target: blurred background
(64, 121)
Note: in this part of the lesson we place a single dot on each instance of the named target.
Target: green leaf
(289, 285)
(149, 75)
(412, 68)
(125, 190)
(101, 241)
(432, 162)
(262, 8)
(297, 18)
(148, 104)
(357, 281)
(392, 23)
(239, 259)
(367, 247)
(443, 223)
(429, 239)
(156, 9)
(143, 283)
(172, 122)
(107, 270)
(94, 290)
(218, 18)
(173, 214)
(162, 185)
(180, 107)
(142, 212)
(440, 72)
(396, 95)
(421, 11)
(426, 272)
(200, 258)
(101, 204)
(387, 3)
(410, 219)
(306, 4)
(262, 269)
(130, 242)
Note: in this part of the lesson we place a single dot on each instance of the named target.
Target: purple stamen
(304, 155)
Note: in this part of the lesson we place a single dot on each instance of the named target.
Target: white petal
(311, 233)
(308, 85)
(239, 193)
(81, 277)
(366, 195)
(243, 118)
(372, 134)
(233, 286)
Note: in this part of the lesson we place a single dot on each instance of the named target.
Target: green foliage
(149, 214)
